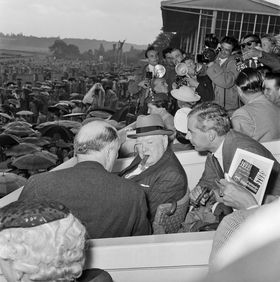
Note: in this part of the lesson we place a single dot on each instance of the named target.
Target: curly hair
(211, 116)
(48, 252)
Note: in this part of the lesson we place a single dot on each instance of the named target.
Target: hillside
(41, 44)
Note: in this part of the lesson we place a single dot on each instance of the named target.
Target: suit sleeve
(270, 60)
(168, 188)
(224, 78)
(142, 225)
(30, 189)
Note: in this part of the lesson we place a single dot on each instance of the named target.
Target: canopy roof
(174, 11)
(241, 6)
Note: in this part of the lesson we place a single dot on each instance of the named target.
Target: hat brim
(183, 99)
(167, 132)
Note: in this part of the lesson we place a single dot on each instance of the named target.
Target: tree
(163, 40)
(63, 51)
(87, 55)
(58, 48)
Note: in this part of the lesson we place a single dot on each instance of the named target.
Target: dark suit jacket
(106, 204)
(234, 140)
(164, 182)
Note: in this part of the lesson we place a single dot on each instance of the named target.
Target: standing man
(108, 205)
(156, 168)
(254, 56)
(170, 74)
(258, 115)
(223, 73)
(272, 87)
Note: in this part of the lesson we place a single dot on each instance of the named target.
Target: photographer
(223, 72)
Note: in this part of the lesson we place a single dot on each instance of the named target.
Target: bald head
(95, 136)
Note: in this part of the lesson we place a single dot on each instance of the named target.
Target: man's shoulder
(239, 111)
(235, 139)
(170, 164)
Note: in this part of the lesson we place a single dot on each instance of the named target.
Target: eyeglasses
(243, 45)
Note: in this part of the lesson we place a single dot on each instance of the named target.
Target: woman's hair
(250, 81)
(161, 104)
(275, 44)
(47, 252)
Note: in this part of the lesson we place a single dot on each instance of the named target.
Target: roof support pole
(198, 33)
(268, 23)
(241, 25)
(254, 29)
(228, 20)
(213, 23)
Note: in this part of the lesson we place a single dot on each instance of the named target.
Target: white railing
(154, 258)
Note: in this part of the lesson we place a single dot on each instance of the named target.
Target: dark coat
(163, 182)
(106, 204)
(234, 140)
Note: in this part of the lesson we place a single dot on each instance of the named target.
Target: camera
(181, 70)
(149, 75)
(208, 55)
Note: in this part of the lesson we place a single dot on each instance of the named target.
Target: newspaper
(251, 171)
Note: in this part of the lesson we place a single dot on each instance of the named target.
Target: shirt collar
(219, 154)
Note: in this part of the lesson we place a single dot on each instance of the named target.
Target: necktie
(217, 166)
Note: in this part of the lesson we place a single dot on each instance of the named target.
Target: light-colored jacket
(223, 78)
(259, 119)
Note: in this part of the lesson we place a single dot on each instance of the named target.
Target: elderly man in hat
(156, 168)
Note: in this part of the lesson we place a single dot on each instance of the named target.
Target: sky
(136, 21)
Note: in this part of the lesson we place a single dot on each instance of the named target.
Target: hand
(196, 192)
(233, 195)
(174, 85)
(210, 64)
(144, 84)
(192, 82)
(252, 53)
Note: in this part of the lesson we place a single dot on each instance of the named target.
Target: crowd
(226, 98)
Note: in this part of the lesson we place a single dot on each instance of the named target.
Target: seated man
(209, 130)
(156, 168)
(108, 205)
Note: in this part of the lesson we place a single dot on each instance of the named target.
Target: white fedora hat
(185, 94)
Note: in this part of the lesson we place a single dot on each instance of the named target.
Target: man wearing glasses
(254, 56)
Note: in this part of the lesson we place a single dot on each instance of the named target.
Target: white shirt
(219, 154)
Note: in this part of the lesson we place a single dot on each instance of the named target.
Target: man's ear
(165, 141)
(212, 135)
